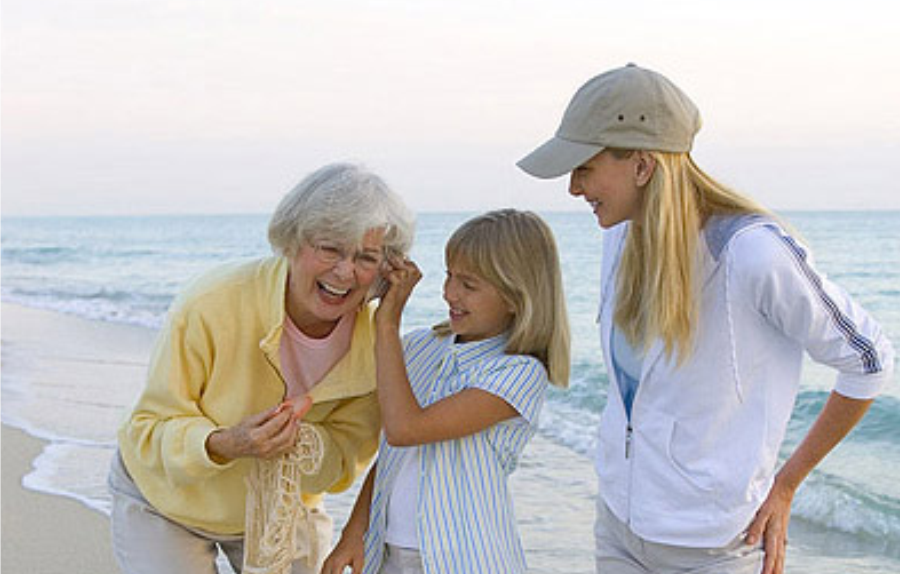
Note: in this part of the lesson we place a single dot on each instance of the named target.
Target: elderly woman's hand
(402, 278)
(264, 435)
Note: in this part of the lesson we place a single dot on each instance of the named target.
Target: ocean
(127, 270)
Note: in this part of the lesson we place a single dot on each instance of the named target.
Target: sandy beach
(42, 533)
(48, 533)
(45, 534)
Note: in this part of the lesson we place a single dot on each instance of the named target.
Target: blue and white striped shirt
(466, 519)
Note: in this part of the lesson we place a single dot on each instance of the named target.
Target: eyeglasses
(332, 254)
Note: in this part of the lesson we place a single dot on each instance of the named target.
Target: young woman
(707, 306)
(459, 402)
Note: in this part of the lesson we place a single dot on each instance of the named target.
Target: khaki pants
(146, 542)
(619, 551)
(401, 561)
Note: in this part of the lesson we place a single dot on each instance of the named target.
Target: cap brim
(557, 157)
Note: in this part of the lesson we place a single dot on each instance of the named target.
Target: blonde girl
(459, 402)
(707, 305)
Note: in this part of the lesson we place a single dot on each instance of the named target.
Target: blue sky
(135, 107)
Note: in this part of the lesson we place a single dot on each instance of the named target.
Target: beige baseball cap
(625, 108)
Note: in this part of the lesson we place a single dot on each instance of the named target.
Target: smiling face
(477, 310)
(612, 185)
(320, 292)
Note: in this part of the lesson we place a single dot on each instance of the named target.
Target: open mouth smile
(457, 313)
(333, 291)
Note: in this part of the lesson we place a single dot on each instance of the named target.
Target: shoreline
(47, 533)
(50, 360)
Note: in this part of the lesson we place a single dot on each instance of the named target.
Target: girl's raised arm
(405, 422)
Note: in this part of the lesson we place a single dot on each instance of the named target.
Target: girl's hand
(350, 551)
(264, 435)
(402, 279)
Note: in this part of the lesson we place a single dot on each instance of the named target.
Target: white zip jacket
(698, 456)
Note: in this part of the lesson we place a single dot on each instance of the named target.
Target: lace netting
(278, 529)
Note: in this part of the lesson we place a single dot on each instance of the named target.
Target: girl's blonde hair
(658, 282)
(515, 252)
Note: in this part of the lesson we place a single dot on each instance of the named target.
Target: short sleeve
(519, 380)
(416, 340)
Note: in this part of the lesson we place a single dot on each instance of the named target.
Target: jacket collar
(354, 373)
(273, 274)
(714, 238)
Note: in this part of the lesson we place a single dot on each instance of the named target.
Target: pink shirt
(305, 361)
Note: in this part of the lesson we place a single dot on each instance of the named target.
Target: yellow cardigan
(215, 362)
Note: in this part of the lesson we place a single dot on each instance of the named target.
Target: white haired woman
(260, 395)
(708, 304)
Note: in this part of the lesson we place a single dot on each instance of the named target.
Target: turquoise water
(127, 269)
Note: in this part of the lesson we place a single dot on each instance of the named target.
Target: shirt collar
(468, 354)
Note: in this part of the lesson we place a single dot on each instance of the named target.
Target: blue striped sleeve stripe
(867, 352)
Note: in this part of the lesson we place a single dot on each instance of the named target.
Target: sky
(162, 106)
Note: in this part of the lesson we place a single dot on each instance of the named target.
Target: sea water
(128, 269)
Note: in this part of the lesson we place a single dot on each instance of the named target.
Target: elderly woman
(261, 392)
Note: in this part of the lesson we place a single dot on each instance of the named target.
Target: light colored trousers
(619, 551)
(401, 561)
(146, 542)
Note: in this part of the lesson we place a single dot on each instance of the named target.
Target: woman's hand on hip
(839, 415)
(263, 435)
(771, 525)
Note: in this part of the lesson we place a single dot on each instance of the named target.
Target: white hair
(341, 201)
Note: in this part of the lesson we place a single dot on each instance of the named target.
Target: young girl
(707, 305)
(459, 402)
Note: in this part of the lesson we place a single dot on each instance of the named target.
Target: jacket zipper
(628, 431)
